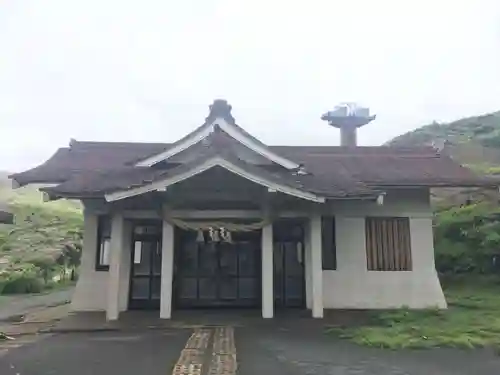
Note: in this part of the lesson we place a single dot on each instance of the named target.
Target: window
(329, 252)
(103, 243)
(388, 244)
(137, 252)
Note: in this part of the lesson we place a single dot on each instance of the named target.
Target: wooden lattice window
(388, 244)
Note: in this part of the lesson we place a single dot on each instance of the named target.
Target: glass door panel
(211, 274)
(145, 282)
(289, 257)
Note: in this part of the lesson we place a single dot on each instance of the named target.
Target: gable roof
(219, 116)
(230, 163)
(103, 168)
(130, 180)
(89, 169)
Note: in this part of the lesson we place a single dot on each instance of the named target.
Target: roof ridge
(76, 142)
(399, 156)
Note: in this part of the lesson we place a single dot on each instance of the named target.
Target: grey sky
(127, 70)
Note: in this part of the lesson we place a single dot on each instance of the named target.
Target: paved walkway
(22, 304)
(228, 351)
(136, 320)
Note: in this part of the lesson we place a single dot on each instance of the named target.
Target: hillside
(482, 130)
(473, 141)
(45, 235)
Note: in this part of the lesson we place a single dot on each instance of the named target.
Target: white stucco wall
(90, 292)
(353, 286)
(350, 286)
(92, 287)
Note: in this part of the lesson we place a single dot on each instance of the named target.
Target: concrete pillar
(316, 265)
(424, 274)
(308, 265)
(115, 266)
(126, 259)
(82, 296)
(167, 269)
(422, 244)
(267, 272)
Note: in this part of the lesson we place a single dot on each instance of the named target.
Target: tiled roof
(95, 168)
(84, 157)
(99, 180)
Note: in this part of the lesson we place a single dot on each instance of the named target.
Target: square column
(115, 266)
(267, 272)
(126, 260)
(316, 265)
(167, 268)
(308, 264)
(84, 297)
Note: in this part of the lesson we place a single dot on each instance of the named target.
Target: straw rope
(218, 225)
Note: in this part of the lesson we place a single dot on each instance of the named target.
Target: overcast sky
(128, 70)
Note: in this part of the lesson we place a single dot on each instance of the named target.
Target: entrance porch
(154, 264)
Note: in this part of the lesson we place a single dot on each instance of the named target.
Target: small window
(103, 243)
(329, 252)
(137, 252)
(388, 244)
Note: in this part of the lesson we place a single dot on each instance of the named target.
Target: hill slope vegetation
(43, 242)
(467, 221)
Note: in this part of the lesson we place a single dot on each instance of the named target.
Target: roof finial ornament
(220, 108)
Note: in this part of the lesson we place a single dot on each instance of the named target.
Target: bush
(467, 239)
(453, 257)
(23, 284)
(21, 281)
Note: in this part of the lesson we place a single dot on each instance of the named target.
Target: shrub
(20, 281)
(467, 239)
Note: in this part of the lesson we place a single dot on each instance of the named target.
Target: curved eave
(40, 183)
(53, 171)
(49, 194)
(162, 184)
(437, 184)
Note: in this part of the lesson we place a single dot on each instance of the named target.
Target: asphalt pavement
(229, 351)
(22, 304)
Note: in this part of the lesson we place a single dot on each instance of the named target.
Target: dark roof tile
(90, 167)
(95, 182)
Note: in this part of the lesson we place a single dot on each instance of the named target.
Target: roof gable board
(219, 117)
(212, 162)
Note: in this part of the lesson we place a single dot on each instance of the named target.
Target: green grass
(472, 320)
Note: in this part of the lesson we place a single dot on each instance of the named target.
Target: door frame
(150, 303)
(285, 236)
(181, 236)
